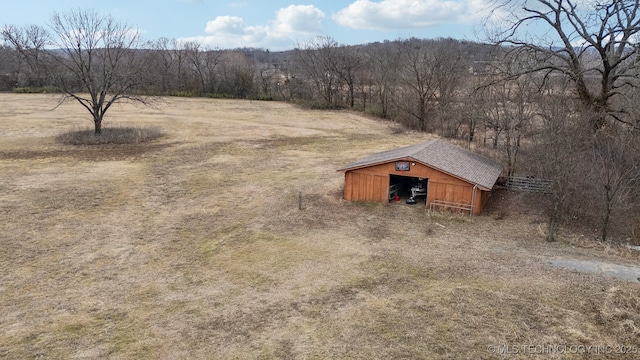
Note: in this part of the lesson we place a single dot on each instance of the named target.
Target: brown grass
(193, 246)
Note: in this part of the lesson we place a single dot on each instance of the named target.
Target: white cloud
(409, 14)
(225, 24)
(294, 21)
(298, 18)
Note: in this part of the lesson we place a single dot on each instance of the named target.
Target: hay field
(193, 247)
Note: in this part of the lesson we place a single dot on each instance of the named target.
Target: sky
(275, 25)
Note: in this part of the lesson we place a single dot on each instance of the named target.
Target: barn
(437, 174)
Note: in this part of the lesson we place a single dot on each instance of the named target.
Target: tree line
(565, 110)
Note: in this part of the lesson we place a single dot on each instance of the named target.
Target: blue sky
(273, 24)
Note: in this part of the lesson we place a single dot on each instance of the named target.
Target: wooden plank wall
(365, 187)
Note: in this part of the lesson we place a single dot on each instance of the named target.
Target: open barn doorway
(409, 189)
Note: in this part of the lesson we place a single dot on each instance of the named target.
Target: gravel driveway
(625, 272)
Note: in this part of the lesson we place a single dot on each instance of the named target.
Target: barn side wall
(372, 184)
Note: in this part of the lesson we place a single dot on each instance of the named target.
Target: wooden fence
(529, 184)
(448, 205)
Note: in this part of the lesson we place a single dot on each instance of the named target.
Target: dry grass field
(193, 247)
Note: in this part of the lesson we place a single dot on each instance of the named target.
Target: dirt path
(624, 272)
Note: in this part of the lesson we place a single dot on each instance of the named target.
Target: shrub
(181, 94)
(219, 96)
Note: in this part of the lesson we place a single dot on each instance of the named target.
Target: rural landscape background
(201, 214)
(193, 246)
(562, 107)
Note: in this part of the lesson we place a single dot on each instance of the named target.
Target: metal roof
(443, 156)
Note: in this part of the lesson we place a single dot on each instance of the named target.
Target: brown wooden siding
(372, 184)
(366, 187)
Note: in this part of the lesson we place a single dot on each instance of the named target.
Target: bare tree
(202, 62)
(166, 64)
(96, 61)
(237, 74)
(417, 81)
(451, 73)
(9, 68)
(346, 63)
(509, 109)
(101, 57)
(315, 62)
(592, 43)
(31, 43)
(382, 63)
(615, 171)
(558, 148)
(472, 113)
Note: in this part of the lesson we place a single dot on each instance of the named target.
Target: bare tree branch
(594, 46)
